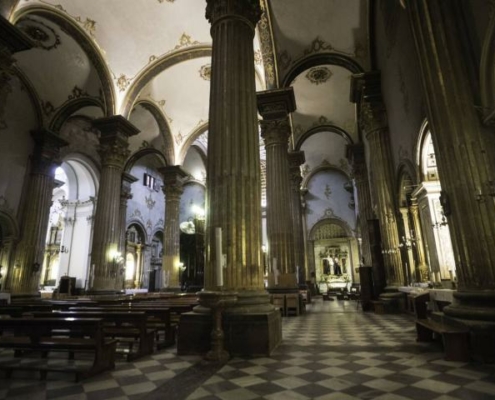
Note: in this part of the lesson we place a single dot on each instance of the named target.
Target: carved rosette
(275, 131)
(249, 10)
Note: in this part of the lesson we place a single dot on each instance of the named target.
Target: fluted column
(233, 178)
(296, 159)
(278, 215)
(114, 134)
(406, 246)
(373, 122)
(125, 194)
(422, 274)
(25, 277)
(173, 181)
(357, 158)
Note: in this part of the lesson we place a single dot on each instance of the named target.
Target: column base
(475, 311)
(251, 328)
(393, 302)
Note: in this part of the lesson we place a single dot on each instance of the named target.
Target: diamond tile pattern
(332, 352)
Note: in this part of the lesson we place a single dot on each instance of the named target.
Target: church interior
(243, 199)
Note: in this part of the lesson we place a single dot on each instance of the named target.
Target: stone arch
(321, 168)
(321, 59)
(143, 153)
(322, 128)
(164, 127)
(70, 107)
(190, 140)
(154, 68)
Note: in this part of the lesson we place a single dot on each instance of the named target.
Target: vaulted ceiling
(149, 60)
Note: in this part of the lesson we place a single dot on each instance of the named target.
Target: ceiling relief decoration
(298, 129)
(47, 108)
(150, 203)
(89, 25)
(318, 45)
(319, 75)
(122, 81)
(205, 72)
(267, 56)
(185, 41)
(43, 35)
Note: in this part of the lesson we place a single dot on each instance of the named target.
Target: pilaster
(29, 254)
(421, 272)
(106, 253)
(173, 181)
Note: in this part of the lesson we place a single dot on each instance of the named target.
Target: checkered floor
(332, 352)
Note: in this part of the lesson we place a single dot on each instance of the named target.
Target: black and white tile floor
(332, 352)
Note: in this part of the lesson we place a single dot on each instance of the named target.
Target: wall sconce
(182, 267)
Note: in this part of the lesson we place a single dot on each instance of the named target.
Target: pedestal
(217, 302)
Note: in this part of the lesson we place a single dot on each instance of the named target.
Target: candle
(218, 255)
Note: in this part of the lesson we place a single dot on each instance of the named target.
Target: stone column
(173, 180)
(233, 184)
(125, 194)
(34, 221)
(356, 156)
(419, 250)
(463, 150)
(278, 211)
(406, 246)
(114, 134)
(373, 122)
(296, 159)
(12, 40)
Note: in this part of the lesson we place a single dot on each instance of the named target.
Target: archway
(434, 226)
(134, 257)
(336, 253)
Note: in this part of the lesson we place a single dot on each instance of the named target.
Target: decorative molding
(205, 72)
(47, 107)
(150, 203)
(89, 25)
(123, 82)
(327, 191)
(77, 92)
(318, 45)
(179, 138)
(43, 36)
(319, 75)
(185, 41)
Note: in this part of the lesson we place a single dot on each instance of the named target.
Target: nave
(334, 351)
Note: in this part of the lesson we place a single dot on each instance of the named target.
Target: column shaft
(463, 146)
(106, 247)
(296, 159)
(172, 187)
(24, 280)
(233, 195)
(279, 223)
(421, 266)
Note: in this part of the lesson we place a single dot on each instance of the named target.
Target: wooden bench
(44, 335)
(158, 319)
(455, 339)
(125, 326)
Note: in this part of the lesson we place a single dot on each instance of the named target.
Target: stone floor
(332, 352)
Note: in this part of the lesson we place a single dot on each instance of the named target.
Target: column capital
(249, 10)
(127, 181)
(275, 131)
(114, 134)
(276, 103)
(173, 180)
(46, 154)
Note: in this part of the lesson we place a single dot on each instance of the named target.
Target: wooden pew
(455, 339)
(125, 326)
(158, 319)
(43, 335)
